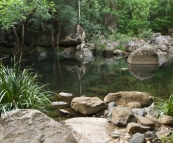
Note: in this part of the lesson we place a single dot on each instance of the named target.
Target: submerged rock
(63, 94)
(58, 103)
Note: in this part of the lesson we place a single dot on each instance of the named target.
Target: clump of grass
(165, 106)
(167, 139)
(21, 89)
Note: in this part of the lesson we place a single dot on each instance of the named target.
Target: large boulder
(32, 126)
(123, 98)
(76, 36)
(44, 38)
(88, 105)
(90, 130)
(144, 55)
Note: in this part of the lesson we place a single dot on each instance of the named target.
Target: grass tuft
(21, 89)
(165, 106)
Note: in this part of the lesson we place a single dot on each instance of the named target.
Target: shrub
(20, 89)
(122, 39)
(145, 34)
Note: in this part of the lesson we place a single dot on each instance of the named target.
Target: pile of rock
(124, 117)
(128, 119)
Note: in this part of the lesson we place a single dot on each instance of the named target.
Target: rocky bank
(124, 117)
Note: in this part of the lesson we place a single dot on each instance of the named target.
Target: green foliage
(119, 37)
(145, 34)
(120, 47)
(161, 15)
(20, 89)
(165, 106)
(100, 48)
(17, 11)
(66, 14)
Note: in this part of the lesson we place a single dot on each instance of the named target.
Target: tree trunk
(17, 39)
(22, 38)
(58, 35)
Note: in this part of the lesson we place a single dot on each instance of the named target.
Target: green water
(101, 76)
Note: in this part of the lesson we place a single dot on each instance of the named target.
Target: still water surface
(99, 76)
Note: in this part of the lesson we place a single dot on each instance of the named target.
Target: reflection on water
(143, 72)
(101, 76)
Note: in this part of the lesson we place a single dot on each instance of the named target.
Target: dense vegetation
(98, 17)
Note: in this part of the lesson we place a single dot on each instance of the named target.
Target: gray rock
(111, 105)
(116, 134)
(145, 55)
(133, 128)
(154, 120)
(88, 105)
(32, 126)
(123, 98)
(139, 111)
(118, 52)
(59, 103)
(65, 94)
(90, 130)
(137, 138)
(151, 137)
(121, 116)
(135, 44)
(84, 53)
(161, 40)
(145, 121)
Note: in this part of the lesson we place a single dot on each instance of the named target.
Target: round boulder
(144, 55)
